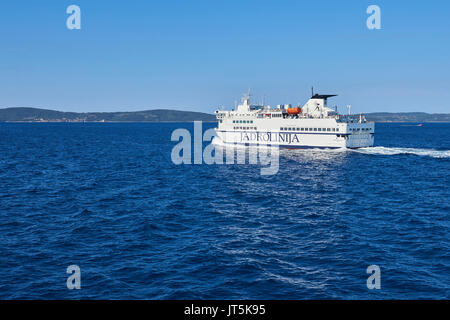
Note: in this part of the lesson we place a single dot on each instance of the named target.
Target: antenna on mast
(312, 91)
(246, 97)
(263, 100)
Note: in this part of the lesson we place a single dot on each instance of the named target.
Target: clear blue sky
(195, 55)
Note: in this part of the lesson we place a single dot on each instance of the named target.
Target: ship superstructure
(313, 125)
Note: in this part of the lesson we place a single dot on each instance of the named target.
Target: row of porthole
(244, 128)
(311, 129)
(242, 121)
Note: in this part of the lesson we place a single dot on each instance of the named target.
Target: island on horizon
(21, 114)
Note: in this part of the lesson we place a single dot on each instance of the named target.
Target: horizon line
(165, 109)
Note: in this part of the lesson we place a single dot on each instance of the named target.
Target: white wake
(384, 151)
(395, 151)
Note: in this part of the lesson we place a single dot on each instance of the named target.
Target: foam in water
(384, 151)
(395, 151)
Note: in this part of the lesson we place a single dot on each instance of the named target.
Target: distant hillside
(43, 115)
(162, 115)
(408, 117)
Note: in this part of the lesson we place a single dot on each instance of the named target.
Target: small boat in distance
(313, 125)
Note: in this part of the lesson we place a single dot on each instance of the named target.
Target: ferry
(313, 125)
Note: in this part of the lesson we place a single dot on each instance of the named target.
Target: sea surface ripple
(107, 197)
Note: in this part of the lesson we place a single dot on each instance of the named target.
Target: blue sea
(107, 198)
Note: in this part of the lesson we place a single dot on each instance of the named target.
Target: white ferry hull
(296, 139)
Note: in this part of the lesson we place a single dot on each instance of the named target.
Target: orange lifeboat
(295, 110)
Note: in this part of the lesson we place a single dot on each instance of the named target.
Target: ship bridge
(317, 106)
